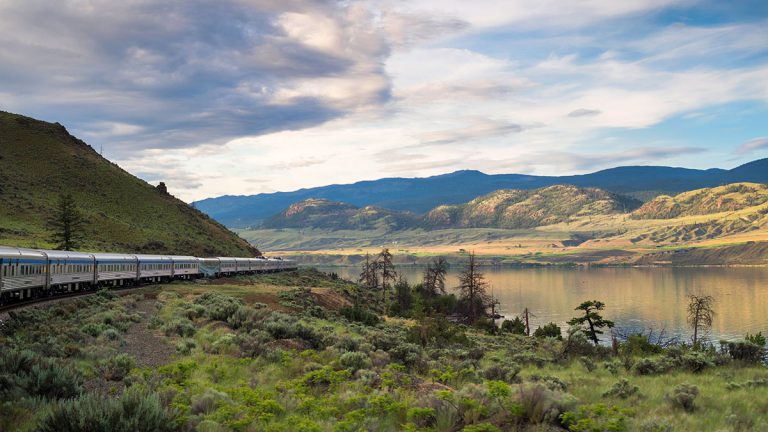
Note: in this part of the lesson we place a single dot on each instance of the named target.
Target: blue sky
(250, 96)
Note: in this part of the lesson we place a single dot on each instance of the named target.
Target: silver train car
(28, 273)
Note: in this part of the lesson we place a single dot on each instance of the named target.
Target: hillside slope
(40, 160)
(331, 215)
(419, 195)
(529, 208)
(732, 197)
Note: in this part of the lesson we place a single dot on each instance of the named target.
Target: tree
(700, 314)
(434, 277)
(388, 273)
(67, 224)
(594, 322)
(516, 326)
(369, 277)
(472, 291)
(403, 294)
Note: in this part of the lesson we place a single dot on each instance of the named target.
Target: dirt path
(141, 343)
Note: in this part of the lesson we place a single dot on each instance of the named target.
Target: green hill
(513, 208)
(332, 215)
(41, 160)
(728, 198)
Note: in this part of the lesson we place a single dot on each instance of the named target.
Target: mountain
(728, 198)
(332, 215)
(419, 195)
(40, 160)
(516, 208)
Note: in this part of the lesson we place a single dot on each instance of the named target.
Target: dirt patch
(330, 299)
(143, 344)
(750, 253)
(272, 301)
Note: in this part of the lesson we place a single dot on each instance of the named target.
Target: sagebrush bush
(355, 360)
(622, 389)
(503, 372)
(218, 306)
(185, 346)
(180, 326)
(743, 351)
(684, 396)
(207, 401)
(24, 374)
(133, 411)
(358, 314)
(116, 368)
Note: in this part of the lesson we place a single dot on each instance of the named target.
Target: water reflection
(637, 298)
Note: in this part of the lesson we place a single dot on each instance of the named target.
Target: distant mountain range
(420, 195)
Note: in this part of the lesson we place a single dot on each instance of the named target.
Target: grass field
(274, 353)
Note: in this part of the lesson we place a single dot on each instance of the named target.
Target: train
(32, 273)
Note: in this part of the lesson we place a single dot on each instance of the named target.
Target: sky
(239, 97)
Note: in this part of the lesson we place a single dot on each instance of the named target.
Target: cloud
(583, 112)
(759, 143)
(477, 129)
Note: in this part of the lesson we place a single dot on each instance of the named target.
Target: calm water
(635, 298)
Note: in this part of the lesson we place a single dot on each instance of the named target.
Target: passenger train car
(27, 273)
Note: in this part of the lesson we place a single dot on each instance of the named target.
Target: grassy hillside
(41, 160)
(331, 215)
(732, 197)
(530, 208)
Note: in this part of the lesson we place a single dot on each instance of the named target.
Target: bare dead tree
(701, 314)
(472, 290)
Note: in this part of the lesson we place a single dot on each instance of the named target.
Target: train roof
(153, 257)
(67, 255)
(114, 257)
(183, 257)
(12, 252)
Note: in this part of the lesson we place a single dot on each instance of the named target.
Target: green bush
(684, 396)
(695, 361)
(218, 306)
(481, 427)
(503, 372)
(515, 326)
(639, 344)
(358, 314)
(622, 389)
(185, 346)
(355, 361)
(647, 366)
(596, 417)
(549, 330)
(133, 411)
(116, 368)
(756, 339)
(24, 374)
(743, 351)
(179, 326)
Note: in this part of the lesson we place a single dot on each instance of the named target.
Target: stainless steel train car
(26, 273)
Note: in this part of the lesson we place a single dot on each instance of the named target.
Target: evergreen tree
(472, 292)
(388, 273)
(594, 322)
(67, 224)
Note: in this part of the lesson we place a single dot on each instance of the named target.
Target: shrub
(515, 326)
(358, 314)
(684, 396)
(406, 353)
(219, 306)
(506, 372)
(134, 411)
(549, 330)
(355, 361)
(117, 367)
(421, 417)
(185, 346)
(596, 417)
(639, 344)
(695, 361)
(756, 339)
(588, 363)
(612, 367)
(537, 404)
(246, 317)
(743, 350)
(24, 373)
(207, 402)
(622, 389)
(180, 326)
(656, 425)
(648, 366)
(111, 334)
